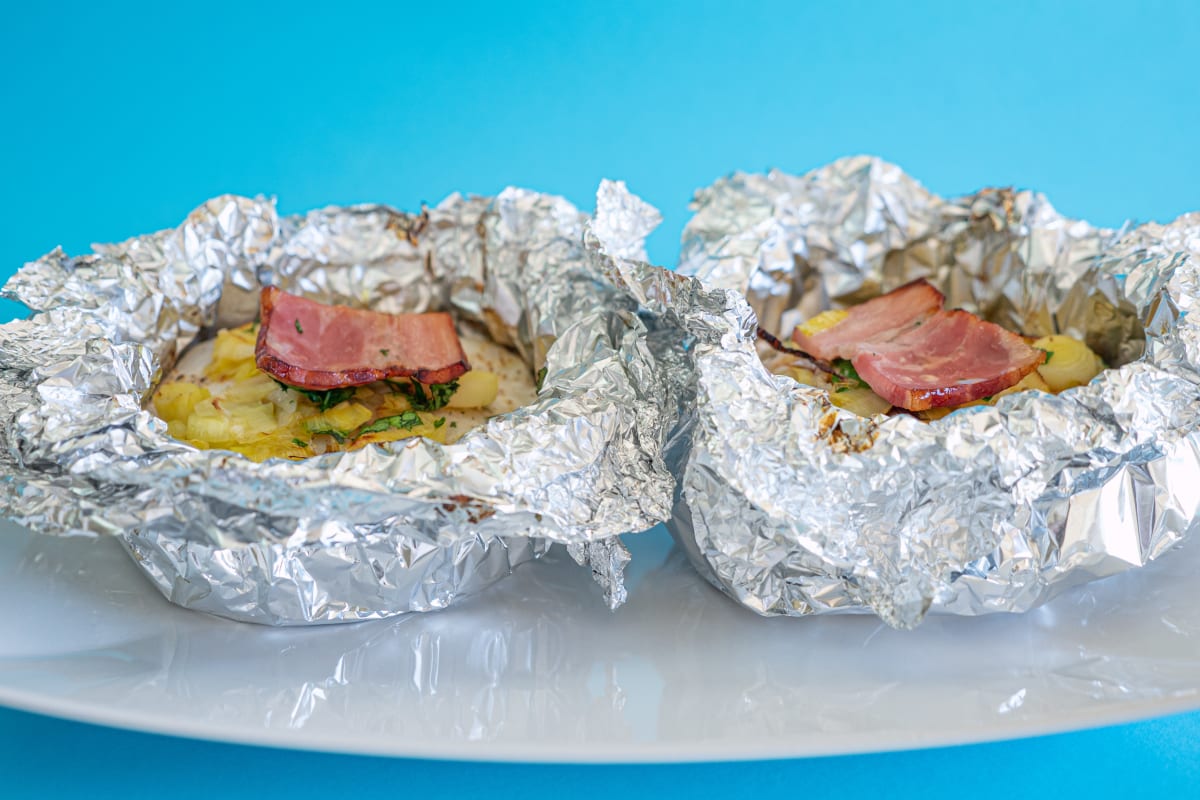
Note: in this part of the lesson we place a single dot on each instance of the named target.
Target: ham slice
(315, 346)
(878, 319)
(952, 357)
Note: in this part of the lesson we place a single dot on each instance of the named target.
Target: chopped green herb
(841, 389)
(427, 398)
(299, 443)
(541, 378)
(315, 428)
(1049, 354)
(404, 421)
(988, 399)
(453, 424)
(846, 371)
(439, 422)
(298, 328)
(442, 392)
(328, 399)
(323, 400)
(383, 352)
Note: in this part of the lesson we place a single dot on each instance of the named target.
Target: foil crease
(408, 526)
(792, 506)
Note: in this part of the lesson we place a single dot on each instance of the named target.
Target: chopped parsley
(427, 398)
(439, 422)
(338, 436)
(1049, 353)
(453, 424)
(384, 352)
(404, 421)
(298, 328)
(299, 443)
(322, 400)
(846, 371)
(541, 378)
(329, 399)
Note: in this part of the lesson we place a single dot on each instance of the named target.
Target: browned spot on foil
(833, 432)
(474, 510)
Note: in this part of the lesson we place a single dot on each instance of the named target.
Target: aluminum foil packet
(792, 506)
(408, 526)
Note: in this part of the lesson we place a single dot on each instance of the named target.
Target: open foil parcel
(407, 525)
(793, 504)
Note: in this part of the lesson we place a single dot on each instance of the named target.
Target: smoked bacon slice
(952, 357)
(315, 346)
(880, 318)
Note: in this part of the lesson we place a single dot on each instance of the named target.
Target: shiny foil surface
(407, 526)
(792, 506)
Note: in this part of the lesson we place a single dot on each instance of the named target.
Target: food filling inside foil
(902, 352)
(218, 396)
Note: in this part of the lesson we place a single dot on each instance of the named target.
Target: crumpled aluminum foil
(792, 506)
(408, 526)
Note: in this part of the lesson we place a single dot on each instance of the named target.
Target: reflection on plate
(537, 669)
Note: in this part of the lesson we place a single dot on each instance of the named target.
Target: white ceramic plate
(538, 670)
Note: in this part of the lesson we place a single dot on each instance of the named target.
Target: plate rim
(715, 751)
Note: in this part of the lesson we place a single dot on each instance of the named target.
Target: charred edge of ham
(314, 379)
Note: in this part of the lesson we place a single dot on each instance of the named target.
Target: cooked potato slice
(391, 403)
(254, 389)
(273, 446)
(1069, 362)
(807, 377)
(476, 389)
(213, 430)
(860, 400)
(207, 408)
(234, 344)
(1032, 381)
(344, 417)
(823, 321)
(249, 421)
(175, 401)
(429, 429)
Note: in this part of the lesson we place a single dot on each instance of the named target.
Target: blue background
(119, 120)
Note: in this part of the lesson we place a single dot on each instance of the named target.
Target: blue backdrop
(119, 120)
